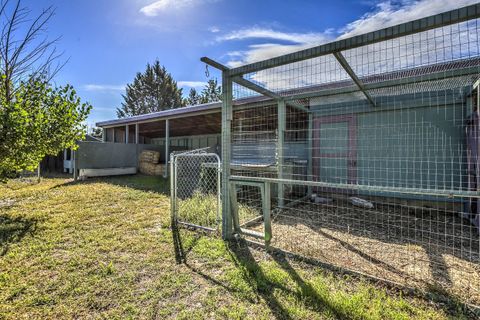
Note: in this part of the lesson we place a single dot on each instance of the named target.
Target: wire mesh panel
(372, 155)
(195, 192)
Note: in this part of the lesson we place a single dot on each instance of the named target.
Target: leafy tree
(212, 92)
(193, 98)
(36, 119)
(151, 91)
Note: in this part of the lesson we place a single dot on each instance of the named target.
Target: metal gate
(195, 191)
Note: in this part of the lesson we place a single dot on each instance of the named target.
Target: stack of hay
(148, 163)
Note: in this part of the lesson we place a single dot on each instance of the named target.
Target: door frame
(350, 155)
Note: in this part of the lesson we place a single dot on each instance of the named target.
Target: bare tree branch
(26, 51)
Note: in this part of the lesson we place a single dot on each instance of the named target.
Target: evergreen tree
(151, 91)
(193, 98)
(212, 92)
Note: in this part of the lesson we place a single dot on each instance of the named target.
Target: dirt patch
(423, 248)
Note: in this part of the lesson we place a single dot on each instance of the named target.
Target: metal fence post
(226, 154)
(172, 188)
(281, 114)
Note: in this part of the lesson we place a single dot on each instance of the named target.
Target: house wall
(99, 155)
(413, 142)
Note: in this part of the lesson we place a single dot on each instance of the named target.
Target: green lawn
(103, 249)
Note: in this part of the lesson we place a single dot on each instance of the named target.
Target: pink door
(335, 149)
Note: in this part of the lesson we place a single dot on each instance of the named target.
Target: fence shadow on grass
(241, 254)
(13, 230)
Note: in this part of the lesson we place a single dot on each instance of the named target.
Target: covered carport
(161, 128)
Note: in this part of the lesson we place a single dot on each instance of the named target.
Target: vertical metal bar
(167, 142)
(234, 201)
(127, 133)
(266, 213)
(137, 134)
(281, 119)
(219, 194)
(226, 154)
(310, 152)
(172, 189)
(175, 212)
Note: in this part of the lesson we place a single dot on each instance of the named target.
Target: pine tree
(212, 92)
(193, 98)
(151, 91)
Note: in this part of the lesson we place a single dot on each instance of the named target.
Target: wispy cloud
(258, 52)
(390, 13)
(191, 84)
(261, 33)
(214, 29)
(103, 87)
(385, 13)
(160, 6)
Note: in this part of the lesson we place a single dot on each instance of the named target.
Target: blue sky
(107, 41)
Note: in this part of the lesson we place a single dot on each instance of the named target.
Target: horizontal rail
(360, 187)
(196, 226)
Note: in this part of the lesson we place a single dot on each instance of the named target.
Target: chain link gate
(195, 189)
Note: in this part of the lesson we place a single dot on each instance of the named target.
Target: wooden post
(137, 135)
(113, 134)
(167, 142)
(104, 134)
(126, 133)
(227, 115)
(281, 115)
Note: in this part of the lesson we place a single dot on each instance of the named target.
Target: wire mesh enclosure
(368, 149)
(195, 193)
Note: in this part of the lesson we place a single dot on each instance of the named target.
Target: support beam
(104, 134)
(127, 133)
(344, 63)
(255, 87)
(281, 118)
(214, 64)
(400, 30)
(227, 115)
(113, 134)
(137, 135)
(167, 146)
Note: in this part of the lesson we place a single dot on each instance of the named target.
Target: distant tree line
(155, 90)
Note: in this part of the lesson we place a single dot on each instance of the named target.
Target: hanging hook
(207, 72)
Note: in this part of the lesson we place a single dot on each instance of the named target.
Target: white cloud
(259, 52)
(214, 29)
(390, 13)
(191, 84)
(103, 87)
(386, 13)
(157, 7)
(261, 33)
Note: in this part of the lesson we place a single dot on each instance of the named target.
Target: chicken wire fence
(363, 153)
(194, 189)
